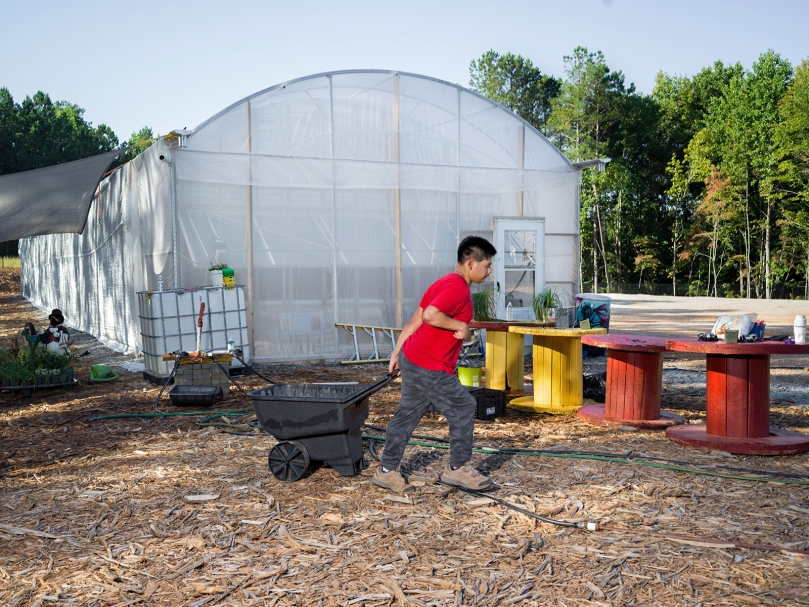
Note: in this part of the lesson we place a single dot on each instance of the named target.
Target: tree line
(39, 132)
(707, 192)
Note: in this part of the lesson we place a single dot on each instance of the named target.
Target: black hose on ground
(435, 439)
(227, 374)
(592, 526)
(252, 370)
(167, 382)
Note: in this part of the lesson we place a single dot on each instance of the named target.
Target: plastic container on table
(800, 329)
(593, 308)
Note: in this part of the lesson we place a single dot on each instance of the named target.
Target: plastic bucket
(469, 376)
(228, 278)
(595, 308)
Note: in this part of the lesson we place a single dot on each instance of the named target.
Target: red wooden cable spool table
(738, 399)
(634, 380)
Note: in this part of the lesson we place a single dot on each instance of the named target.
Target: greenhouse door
(519, 266)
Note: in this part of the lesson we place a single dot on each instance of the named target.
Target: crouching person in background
(55, 338)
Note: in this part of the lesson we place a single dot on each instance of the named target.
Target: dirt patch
(103, 510)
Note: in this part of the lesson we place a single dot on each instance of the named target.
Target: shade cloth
(53, 200)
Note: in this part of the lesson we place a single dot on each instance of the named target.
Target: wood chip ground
(162, 511)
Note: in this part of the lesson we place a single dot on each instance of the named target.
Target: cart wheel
(288, 461)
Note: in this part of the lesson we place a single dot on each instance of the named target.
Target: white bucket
(595, 308)
(800, 329)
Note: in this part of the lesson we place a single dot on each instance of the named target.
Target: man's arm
(436, 318)
(414, 323)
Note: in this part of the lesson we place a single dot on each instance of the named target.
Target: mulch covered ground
(99, 511)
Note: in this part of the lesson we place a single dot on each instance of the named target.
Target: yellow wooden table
(505, 353)
(558, 380)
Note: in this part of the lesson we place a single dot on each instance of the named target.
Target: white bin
(168, 322)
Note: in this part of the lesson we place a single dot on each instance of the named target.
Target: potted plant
(545, 303)
(483, 305)
(41, 377)
(215, 270)
(66, 370)
(6, 366)
(27, 377)
(15, 377)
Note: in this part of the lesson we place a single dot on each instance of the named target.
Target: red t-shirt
(433, 348)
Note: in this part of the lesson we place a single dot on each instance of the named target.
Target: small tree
(516, 83)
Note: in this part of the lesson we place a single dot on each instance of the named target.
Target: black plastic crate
(491, 403)
(195, 396)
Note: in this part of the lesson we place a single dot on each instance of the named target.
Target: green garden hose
(621, 460)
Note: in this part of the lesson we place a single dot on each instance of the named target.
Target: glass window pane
(521, 246)
(520, 288)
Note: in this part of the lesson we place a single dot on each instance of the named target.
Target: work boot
(466, 477)
(390, 480)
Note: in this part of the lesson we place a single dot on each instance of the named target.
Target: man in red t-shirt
(426, 353)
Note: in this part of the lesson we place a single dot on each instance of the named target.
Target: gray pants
(420, 389)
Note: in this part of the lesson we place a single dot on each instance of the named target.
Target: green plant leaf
(545, 303)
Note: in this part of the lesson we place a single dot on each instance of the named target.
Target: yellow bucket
(228, 278)
(469, 376)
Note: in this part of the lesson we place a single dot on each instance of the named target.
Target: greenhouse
(335, 198)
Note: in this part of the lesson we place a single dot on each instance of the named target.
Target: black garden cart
(315, 423)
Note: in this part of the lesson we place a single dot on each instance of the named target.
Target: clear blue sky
(173, 63)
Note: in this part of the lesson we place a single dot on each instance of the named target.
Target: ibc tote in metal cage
(168, 322)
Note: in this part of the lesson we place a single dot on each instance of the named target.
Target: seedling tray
(29, 389)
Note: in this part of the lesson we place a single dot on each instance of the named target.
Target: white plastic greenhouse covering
(336, 198)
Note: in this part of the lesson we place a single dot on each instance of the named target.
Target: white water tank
(168, 322)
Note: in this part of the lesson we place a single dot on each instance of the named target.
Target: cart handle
(374, 386)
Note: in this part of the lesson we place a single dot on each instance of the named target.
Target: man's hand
(393, 365)
(463, 334)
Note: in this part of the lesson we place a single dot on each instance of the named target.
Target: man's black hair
(477, 248)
